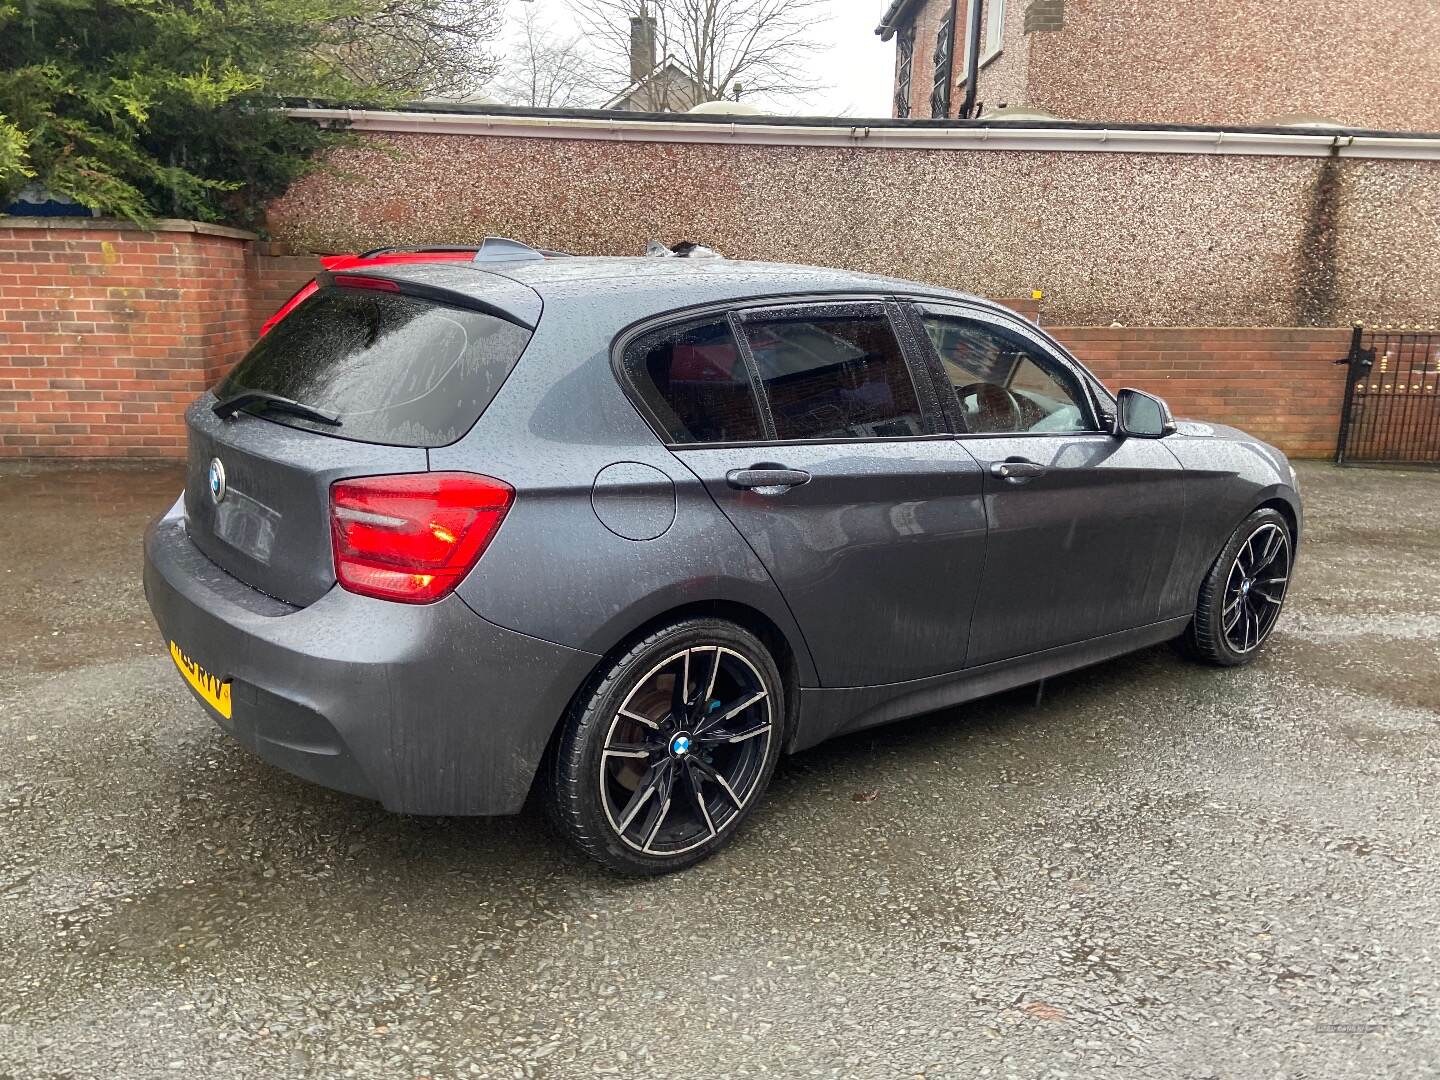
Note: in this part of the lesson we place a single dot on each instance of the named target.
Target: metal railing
(1392, 398)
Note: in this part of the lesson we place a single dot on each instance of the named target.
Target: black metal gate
(1392, 398)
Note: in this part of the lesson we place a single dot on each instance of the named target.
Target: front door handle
(767, 479)
(1017, 470)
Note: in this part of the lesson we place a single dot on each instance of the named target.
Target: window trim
(1047, 348)
(996, 47)
(933, 414)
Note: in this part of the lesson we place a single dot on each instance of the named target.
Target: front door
(1084, 527)
(841, 478)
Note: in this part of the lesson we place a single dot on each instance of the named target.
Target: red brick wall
(1279, 384)
(274, 276)
(107, 333)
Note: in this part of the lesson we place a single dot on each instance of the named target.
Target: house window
(904, 62)
(994, 29)
(944, 40)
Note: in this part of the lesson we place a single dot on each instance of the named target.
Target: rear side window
(695, 384)
(834, 377)
(396, 369)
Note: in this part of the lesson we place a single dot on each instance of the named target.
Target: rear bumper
(427, 708)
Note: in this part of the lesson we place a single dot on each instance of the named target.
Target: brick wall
(108, 332)
(274, 275)
(1044, 15)
(1280, 384)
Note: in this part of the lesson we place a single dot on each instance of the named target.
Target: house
(663, 86)
(1244, 63)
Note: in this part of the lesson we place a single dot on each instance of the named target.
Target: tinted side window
(837, 377)
(1004, 384)
(695, 383)
(395, 369)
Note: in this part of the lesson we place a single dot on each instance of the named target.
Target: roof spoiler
(520, 315)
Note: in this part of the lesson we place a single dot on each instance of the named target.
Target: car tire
(646, 783)
(1243, 593)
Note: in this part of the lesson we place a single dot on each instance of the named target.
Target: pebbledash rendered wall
(1145, 228)
(1224, 281)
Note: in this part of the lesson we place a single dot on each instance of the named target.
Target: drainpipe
(972, 67)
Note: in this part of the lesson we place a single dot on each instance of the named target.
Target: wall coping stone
(173, 225)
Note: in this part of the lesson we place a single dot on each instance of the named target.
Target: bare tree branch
(545, 70)
(723, 45)
(418, 46)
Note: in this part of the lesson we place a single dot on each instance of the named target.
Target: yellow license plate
(209, 687)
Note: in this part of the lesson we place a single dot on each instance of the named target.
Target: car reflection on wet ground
(1159, 870)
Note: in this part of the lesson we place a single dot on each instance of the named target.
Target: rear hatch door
(402, 366)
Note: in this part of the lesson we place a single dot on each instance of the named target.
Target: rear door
(1084, 526)
(816, 438)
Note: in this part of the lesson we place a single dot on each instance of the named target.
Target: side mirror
(1143, 416)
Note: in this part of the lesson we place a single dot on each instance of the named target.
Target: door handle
(1017, 470)
(767, 479)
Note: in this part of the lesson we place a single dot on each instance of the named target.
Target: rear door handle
(1017, 470)
(767, 479)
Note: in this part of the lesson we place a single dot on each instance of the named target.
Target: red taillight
(412, 538)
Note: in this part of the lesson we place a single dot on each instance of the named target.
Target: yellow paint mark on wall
(107, 252)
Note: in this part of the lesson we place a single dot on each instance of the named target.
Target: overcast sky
(854, 63)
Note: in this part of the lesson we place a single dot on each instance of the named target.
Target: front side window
(1003, 383)
(694, 383)
(834, 376)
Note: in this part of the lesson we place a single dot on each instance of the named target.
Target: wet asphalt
(1160, 870)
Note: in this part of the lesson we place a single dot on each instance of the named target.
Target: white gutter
(1083, 140)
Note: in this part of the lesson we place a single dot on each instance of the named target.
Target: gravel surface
(1160, 870)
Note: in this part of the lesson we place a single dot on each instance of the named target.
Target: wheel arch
(1287, 511)
(787, 659)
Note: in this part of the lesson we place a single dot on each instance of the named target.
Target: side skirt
(827, 712)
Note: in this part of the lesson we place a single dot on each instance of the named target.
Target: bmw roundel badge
(217, 480)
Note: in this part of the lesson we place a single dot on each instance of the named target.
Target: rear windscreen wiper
(266, 400)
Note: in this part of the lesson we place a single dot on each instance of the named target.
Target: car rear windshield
(395, 369)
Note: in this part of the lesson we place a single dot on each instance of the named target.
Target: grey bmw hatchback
(630, 529)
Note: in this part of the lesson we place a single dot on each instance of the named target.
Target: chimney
(642, 47)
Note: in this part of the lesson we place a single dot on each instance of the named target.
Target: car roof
(640, 287)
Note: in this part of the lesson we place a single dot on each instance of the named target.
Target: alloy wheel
(1255, 587)
(686, 750)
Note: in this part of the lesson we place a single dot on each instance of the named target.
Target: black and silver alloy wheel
(1242, 595)
(1255, 587)
(669, 748)
(685, 750)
